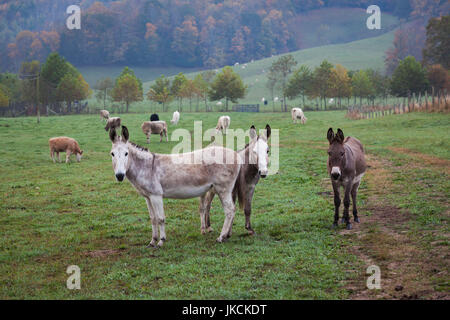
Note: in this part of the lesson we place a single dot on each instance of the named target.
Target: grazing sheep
(64, 144)
(223, 124)
(175, 118)
(154, 127)
(297, 113)
(114, 122)
(104, 114)
(154, 117)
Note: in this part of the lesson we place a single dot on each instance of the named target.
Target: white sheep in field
(104, 115)
(297, 113)
(175, 118)
(223, 124)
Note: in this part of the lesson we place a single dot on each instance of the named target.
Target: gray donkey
(346, 165)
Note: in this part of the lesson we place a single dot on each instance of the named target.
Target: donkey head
(119, 152)
(259, 150)
(336, 153)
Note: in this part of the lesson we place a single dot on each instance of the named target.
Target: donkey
(177, 176)
(255, 165)
(346, 165)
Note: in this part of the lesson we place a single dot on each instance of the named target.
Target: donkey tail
(238, 190)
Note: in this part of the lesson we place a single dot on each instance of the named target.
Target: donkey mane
(140, 148)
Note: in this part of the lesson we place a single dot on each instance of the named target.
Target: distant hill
(181, 33)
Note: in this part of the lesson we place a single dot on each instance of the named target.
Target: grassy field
(56, 215)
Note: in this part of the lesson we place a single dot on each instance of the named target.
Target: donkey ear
(113, 134)
(268, 131)
(252, 133)
(340, 136)
(330, 135)
(125, 134)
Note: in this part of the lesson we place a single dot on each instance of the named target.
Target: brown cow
(64, 144)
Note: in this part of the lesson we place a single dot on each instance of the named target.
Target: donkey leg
(337, 203)
(157, 204)
(204, 212)
(160, 137)
(59, 159)
(209, 196)
(165, 133)
(154, 223)
(355, 210)
(52, 155)
(229, 209)
(348, 188)
(248, 211)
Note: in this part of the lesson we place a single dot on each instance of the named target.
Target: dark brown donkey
(255, 158)
(346, 166)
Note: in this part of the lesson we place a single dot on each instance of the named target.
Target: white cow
(175, 118)
(223, 124)
(296, 114)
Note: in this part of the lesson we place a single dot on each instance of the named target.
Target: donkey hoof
(203, 231)
(151, 244)
(221, 239)
(209, 229)
(349, 226)
(251, 232)
(160, 243)
(356, 219)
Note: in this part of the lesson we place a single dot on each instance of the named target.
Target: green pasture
(56, 215)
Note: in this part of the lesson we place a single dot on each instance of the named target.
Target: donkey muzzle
(335, 175)
(263, 175)
(120, 176)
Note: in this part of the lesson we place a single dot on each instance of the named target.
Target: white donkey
(177, 176)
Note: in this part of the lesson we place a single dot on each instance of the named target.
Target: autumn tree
(321, 82)
(437, 45)
(72, 88)
(340, 84)
(4, 100)
(439, 77)
(280, 70)
(29, 73)
(202, 87)
(228, 85)
(128, 88)
(409, 77)
(160, 91)
(175, 89)
(361, 85)
(299, 83)
(103, 87)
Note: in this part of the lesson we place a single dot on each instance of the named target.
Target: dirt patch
(425, 159)
(383, 238)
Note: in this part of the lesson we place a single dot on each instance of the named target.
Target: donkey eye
(342, 154)
(268, 151)
(112, 153)
(126, 154)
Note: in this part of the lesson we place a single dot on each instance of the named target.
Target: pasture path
(414, 265)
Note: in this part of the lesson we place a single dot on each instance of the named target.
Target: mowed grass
(56, 215)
